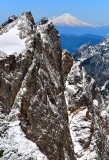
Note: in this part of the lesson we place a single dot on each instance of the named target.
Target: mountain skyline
(89, 11)
(70, 20)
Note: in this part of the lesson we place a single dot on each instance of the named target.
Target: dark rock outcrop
(67, 62)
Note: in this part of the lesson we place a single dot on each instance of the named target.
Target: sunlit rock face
(33, 113)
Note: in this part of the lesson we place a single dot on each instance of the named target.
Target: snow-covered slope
(68, 19)
(10, 42)
(15, 144)
(15, 37)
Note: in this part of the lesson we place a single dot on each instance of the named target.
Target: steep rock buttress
(33, 114)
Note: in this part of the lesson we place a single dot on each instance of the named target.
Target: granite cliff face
(33, 114)
(50, 109)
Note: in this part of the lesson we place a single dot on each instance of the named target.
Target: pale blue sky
(95, 11)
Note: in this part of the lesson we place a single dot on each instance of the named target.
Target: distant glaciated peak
(69, 20)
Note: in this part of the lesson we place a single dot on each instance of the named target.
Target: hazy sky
(96, 11)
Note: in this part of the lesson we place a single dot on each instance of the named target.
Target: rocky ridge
(32, 95)
(95, 59)
(50, 108)
(88, 114)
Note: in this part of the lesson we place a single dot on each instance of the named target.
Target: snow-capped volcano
(68, 19)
